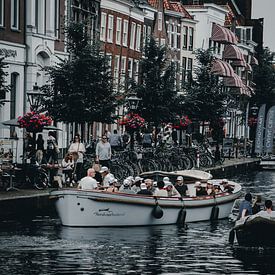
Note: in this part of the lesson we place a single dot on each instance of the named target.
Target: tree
(157, 88)
(4, 88)
(264, 78)
(204, 96)
(80, 89)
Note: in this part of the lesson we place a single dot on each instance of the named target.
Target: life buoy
(181, 217)
(157, 212)
(214, 213)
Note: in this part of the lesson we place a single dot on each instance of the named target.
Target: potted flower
(34, 122)
(181, 122)
(132, 122)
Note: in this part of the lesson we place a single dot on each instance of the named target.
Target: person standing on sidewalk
(103, 152)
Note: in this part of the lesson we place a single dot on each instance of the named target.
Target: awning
(254, 61)
(232, 52)
(233, 81)
(223, 35)
(245, 91)
(239, 63)
(221, 68)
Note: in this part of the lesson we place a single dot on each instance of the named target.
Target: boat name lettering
(107, 213)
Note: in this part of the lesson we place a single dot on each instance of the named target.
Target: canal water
(43, 246)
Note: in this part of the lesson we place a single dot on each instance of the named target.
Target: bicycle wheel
(41, 181)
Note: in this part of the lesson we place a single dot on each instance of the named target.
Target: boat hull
(256, 231)
(95, 208)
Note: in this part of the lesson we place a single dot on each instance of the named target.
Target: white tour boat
(268, 162)
(100, 208)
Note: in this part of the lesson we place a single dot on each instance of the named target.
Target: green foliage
(203, 97)
(4, 88)
(264, 78)
(80, 89)
(157, 88)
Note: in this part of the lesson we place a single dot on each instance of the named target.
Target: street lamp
(254, 110)
(132, 102)
(35, 97)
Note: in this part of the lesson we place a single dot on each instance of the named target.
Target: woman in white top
(77, 148)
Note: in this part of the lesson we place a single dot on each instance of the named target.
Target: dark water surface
(43, 246)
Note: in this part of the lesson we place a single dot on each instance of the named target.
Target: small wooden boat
(254, 230)
(101, 208)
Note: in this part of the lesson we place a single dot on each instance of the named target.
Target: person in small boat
(112, 185)
(256, 205)
(171, 190)
(245, 206)
(200, 188)
(160, 191)
(106, 176)
(217, 188)
(210, 189)
(268, 212)
(126, 187)
(144, 190)
(226, 187)
(137, 183)
(181, 186)
(88, 182)
(150, 185)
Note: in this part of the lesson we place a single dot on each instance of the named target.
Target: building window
(2, 9)
(109, 57)
(183, 69)
(175, 36)
(130, 68)
(116, 72)
(184, 37)
(160, 21)
(125, 33)
(144, 35)
(110, 28)
(189, 69)
(133, 35)
(138, 37)
(15, 14)
(135, 70)
(118, 30)
(56, 21)
(123, 72)
(191, 39)
(169, 34)
(103, 26)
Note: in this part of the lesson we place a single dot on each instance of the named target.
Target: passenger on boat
(267, 213)
(150, 185)
(171, 190)
(217, 188)
(144, 190)
(245, 206)
(106, 176)
(112, 185)
(200, 188)
(210, 189)
(226, 187)
(181, 186)
(160, 191)
(256, 205)
(137, 182)
(88, 182)
(126, 187)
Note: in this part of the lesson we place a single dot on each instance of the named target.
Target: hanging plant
(132, 121)
(34, 122)
(181, 122)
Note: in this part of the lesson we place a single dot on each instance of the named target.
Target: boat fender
(181, 217)
(157, 210)
(214, 213)
(231, 236)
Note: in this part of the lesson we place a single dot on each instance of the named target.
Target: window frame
(103, 29)
(118, 30)
(133, 35)
(2, 13)
(138, 37)
(15, 15)
(125, 33)
(110, 28)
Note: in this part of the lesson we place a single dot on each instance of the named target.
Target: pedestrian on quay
(67, 165)
(77, 149)
(115, 141)
(245, 206)
(103, 152)
(39, 148)
(147, 139)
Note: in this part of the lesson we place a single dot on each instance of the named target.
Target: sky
(266, 9)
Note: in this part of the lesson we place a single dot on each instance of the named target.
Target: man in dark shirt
(181, 186)
(144, 191)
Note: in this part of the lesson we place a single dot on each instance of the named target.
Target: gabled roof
(175, 6)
